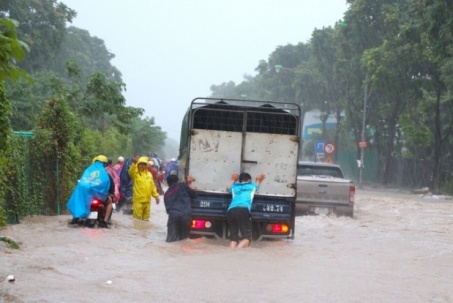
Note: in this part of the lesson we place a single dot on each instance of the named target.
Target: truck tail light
(201, 224)
(351, 194)
(277, 228)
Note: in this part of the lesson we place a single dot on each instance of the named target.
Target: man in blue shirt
(243, 190)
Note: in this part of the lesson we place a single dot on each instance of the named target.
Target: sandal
(103, 224)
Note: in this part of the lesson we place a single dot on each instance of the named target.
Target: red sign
(363, 144)
(329, 148)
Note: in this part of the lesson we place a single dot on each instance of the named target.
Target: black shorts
(239, 220)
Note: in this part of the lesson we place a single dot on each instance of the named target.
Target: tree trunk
(388, 177)
(437, 146)
(337, 134)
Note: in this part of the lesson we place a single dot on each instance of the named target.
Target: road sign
(362, 144)
(329, 148)
(319, 146)
(320, 156)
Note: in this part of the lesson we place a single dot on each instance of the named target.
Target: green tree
(55, 156)
(435, 43)
(11, 51)
(89, 53)
(146, 137)
(323, 82)
(394, 54)
(43, 26)
(99, 100)
(391, 67)
(27, 99)
(368, 25)
(224, 90)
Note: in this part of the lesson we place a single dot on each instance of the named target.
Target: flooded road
(398, 248)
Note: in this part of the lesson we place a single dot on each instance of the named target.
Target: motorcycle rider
(95, 182)
(119, 165)
(116, 180)
(111, 194)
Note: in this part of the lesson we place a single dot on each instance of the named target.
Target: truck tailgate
(323, 189)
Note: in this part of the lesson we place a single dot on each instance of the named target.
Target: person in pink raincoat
(119, 165)
(116, 179)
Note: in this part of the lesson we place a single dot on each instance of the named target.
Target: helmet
(120, 159)
(101, 158)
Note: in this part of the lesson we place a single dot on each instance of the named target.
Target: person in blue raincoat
(94, 183)
(172, 168)
(126, 185)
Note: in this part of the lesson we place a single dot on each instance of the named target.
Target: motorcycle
(96, 216)
(97, 212)
(86, 202)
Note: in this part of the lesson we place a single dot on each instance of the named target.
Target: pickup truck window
(318, 171)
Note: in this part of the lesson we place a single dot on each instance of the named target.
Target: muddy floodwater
(398, 248)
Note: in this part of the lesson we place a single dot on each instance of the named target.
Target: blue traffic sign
(319, 146)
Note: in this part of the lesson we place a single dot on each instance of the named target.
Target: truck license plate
(322, 210)
(93, 215)
(205, 203)
(273, 208)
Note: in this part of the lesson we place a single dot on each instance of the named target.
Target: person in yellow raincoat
(143, 188)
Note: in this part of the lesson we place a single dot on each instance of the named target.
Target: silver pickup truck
(322, 189)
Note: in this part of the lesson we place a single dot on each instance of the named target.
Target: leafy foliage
(55, 158)
(146, 137)
(11, 243)
(27, 99)
(89, 53)
(394, 54)
(10, 52)
(43, 26)
(5, 133)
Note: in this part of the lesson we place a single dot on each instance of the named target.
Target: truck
(323, 189)
(221, 136)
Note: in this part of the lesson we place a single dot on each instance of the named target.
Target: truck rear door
(216, 155)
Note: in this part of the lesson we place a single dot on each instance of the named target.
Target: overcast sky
(171, 52)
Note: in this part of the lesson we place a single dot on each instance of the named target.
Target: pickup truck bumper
(313, 208)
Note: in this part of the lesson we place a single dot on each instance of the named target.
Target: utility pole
(362, 144)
